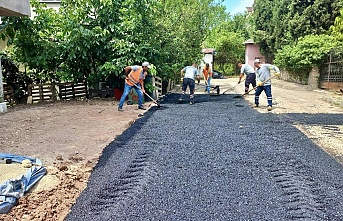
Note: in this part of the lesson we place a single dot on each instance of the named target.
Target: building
(15, 8)
(11, 8)
(252, 52)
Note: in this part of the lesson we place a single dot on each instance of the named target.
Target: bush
(308, 52)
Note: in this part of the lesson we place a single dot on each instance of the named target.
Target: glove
(260, 84)
(277, 74)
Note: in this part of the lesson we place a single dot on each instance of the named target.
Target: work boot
(141, 108)
(269, 108)
(120, 109)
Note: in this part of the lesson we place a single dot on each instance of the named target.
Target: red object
(118, 93)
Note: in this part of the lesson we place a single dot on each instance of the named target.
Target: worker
(263, 81)
(249, 72)
(135, 76)
(188, 81)
(207, 72)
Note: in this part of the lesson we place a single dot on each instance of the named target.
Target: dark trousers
(251, 79)
(268, 90)
(188, 82)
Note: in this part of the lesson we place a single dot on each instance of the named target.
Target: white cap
(146, 64)
(257, 61)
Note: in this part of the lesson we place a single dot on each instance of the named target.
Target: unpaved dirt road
(292, 101)
(69, 137)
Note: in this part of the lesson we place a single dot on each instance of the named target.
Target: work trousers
(251, 79)
(268, 90)
(188, 82)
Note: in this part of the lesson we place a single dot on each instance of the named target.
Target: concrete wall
(15, 8)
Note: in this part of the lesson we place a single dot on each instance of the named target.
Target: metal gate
(331, 72)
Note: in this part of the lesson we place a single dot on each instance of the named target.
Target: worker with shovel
(250, 78)
(207, 72)
(188, 81)
(135, 76)
(264, 81)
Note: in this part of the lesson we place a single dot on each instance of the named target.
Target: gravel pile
(218, 159)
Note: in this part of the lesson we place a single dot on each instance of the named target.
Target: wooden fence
(66, 91)
(69, 91)
(8, 94)
(157, 83)
(56, 91)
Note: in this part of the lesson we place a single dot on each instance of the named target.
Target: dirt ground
(68, 137)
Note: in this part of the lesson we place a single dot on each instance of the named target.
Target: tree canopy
(279, 23)
(95, 39)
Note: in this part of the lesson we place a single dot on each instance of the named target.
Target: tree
(95, 40)
(280, 23)
(309, 51)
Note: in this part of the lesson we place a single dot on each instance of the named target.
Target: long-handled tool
(254, 88)
(231, 88)
(153, 100)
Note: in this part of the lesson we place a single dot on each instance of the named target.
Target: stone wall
(287, 76)
(312, 80)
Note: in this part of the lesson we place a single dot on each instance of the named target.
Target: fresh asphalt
(218, 159)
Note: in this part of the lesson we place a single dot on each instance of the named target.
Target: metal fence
(331, 72)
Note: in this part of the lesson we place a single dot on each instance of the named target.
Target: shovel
(153, 100)
(238, 96)
(230, 88)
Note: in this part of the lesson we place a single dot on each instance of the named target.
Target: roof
(208, 50)
(249, 41)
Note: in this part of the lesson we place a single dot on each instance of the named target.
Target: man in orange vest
(207, 71)
(135, 76)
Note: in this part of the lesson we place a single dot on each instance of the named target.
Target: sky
(234, 6)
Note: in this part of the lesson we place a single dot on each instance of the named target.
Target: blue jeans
(208, 86)
(268, 90)
(127, 90)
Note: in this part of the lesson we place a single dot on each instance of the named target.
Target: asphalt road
(218, 159)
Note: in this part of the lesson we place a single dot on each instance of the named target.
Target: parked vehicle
(217, 74)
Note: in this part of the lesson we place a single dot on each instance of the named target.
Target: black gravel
(218, 159)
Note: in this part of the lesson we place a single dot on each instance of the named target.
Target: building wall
(15, 8)
(252, 52)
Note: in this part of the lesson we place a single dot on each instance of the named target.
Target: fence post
(53, 91)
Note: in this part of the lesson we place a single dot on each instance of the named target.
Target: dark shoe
(191, 102)
(180, 100)
(120, 109)
(141, 108)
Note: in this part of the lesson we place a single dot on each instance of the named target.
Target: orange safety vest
(133, 77)
(207, 73)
